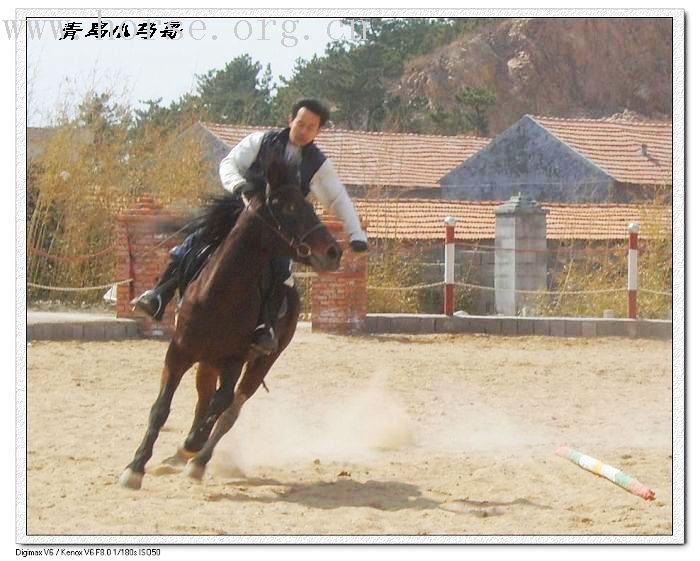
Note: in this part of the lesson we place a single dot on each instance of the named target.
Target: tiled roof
(616, 146)
(423, 219)
(381, 158)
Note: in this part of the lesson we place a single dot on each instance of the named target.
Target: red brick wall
(338, 300)
(143, 255)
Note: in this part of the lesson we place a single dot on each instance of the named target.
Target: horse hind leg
(201, 433)
(252, 378)
(197, 465)
(210, 402)
(176, 364)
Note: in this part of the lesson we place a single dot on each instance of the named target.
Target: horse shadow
(388, 496)
(329, 495)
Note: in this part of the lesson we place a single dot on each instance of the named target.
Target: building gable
(528, 159)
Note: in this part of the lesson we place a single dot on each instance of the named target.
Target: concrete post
(521, 254)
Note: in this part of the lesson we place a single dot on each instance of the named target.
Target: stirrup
(150, 303)
(264, 340)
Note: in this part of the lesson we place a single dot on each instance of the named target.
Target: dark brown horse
(219, 312)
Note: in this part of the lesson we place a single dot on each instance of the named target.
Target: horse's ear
(276, 174)
(255, 183)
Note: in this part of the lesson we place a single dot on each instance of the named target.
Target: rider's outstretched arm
(330, 191)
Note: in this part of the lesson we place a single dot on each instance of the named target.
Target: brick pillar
(521, 254)
(141, 260)
(339, 299)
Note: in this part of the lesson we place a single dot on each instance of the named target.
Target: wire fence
(582, 279)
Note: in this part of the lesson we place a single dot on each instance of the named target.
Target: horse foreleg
(175, 366)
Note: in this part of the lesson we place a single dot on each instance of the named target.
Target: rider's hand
(358, 246)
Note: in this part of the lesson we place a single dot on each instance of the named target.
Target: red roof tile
(616, 146)
(423, 219)
(381, 158)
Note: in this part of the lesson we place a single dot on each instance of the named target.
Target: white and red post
(449, 298)
(632, 271)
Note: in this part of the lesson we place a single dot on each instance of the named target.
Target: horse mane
(220, 213)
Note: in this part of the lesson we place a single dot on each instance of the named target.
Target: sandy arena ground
(367, 435)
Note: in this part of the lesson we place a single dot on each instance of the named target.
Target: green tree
(409, 37)
(473, 103)
(357, 81)
(405, 116)
(358, 78)
(102, 116)
(306, 81)
(469, 115)
(179, 115)
(235, 94)
(352, 79)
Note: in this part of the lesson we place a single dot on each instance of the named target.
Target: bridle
(301, 248)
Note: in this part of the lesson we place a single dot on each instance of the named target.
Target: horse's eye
(290, 208)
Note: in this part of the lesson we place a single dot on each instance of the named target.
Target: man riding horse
(295, 144)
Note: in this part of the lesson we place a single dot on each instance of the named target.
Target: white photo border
(679, 385)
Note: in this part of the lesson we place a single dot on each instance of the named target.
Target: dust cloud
(282, 429)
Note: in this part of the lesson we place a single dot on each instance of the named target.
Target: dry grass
(85, 174)
(602, 270)
(391, 267)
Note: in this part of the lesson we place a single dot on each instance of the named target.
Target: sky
(137, 69)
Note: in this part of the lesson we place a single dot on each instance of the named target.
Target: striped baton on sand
(618, 477)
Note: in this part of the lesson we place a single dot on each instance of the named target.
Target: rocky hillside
(561, 67)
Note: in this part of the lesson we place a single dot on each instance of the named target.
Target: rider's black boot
(154, 301)
(265, 340)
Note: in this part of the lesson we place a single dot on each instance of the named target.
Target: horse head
(286, 212)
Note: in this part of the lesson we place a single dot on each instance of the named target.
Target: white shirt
(325, 184)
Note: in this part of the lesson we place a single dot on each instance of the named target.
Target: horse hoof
(175, 461)
(180, 458)
(130, 479)
(195, 471)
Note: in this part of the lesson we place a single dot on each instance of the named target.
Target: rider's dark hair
(315, 106)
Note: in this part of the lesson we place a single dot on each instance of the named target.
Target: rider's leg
(265, 338)
(154, 301)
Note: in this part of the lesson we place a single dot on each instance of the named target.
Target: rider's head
(306, 119)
